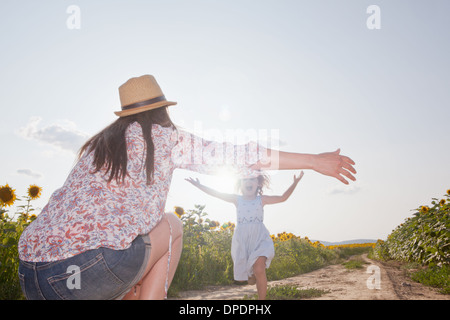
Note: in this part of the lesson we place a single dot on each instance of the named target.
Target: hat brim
(129, 112)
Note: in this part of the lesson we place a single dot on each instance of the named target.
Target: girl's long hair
(110, 147)
(263, 183)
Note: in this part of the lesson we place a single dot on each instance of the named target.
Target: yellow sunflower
(442, 202)
(424, 209)
(213, 225)
(34, 191)
(179, 211)
(7, 195)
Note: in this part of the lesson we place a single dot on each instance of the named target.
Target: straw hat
(141, 94)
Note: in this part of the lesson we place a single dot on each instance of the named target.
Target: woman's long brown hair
(110, 147)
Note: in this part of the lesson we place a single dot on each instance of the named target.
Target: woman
(104, 234)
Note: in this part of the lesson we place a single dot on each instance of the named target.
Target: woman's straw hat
(141, 94)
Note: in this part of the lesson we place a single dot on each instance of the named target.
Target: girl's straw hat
(141, 94)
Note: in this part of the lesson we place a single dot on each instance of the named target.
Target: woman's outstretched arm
(328, 163)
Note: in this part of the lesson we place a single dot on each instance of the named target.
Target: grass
(354, 263)
(437, 277)
(289, 292)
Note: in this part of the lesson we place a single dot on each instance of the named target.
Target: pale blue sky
(311, 70)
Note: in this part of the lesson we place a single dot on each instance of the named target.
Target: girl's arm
(329, 163)
(223, 196)
(286, 194)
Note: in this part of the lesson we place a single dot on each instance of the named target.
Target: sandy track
(340, 284)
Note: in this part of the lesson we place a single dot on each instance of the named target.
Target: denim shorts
(99, 274)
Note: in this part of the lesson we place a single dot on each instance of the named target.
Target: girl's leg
(259, 269)
(152, 284)
(252, 280)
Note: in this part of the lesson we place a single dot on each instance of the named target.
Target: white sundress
(251, 238)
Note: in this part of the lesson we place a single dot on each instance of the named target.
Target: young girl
(252, 247)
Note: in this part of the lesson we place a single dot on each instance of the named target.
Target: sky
(306, 76)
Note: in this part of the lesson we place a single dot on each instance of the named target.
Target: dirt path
(340, 283)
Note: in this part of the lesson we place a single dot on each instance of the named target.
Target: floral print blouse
(87, 212)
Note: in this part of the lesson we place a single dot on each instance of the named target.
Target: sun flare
(225, 180)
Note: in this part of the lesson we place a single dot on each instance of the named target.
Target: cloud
(30, 173)
(63, 135)
(352, 189)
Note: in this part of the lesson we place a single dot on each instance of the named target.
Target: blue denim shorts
(100, 274)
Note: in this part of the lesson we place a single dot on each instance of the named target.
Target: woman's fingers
(346, 165)
(348, 160)
(347, 174)
(341, 179)
(349, 167)
(343, 167)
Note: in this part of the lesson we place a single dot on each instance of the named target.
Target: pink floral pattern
(87, 212)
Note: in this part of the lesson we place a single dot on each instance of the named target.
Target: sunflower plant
(206, 256)
(423, 238)
(33, 193)
(7, 196)
(12, 225)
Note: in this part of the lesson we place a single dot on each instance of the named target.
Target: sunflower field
(206, 256)
(423, 238)
(11, 227)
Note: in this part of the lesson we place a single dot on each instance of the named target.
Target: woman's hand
(334, 165)
(329, 163)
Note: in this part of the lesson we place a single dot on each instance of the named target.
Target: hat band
(144, 103)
